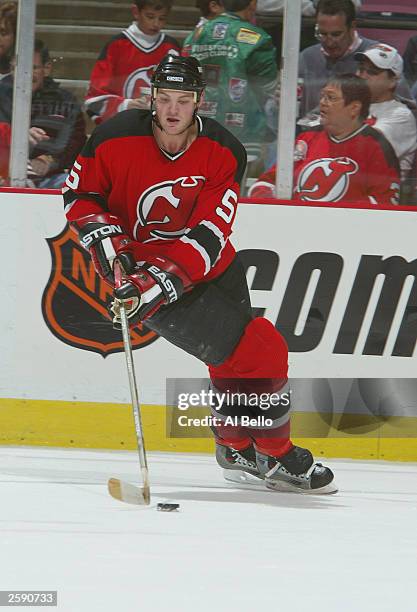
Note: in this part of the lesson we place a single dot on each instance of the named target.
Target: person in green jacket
(240, 69)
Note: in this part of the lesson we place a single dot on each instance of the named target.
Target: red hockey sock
(233, 436)
(259, 364)
(275, 442)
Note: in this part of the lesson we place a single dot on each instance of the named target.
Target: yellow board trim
(110, 426)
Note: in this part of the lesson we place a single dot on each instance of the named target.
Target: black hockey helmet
(182, 73)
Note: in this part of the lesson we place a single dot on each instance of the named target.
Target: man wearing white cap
(339, 41)
(382, 66)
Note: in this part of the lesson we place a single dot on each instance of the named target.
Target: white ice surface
(227, 549)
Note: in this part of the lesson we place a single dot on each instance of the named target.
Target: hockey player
(342, 158)
(159, 190)
(120, 79)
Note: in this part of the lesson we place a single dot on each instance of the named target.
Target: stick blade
(128, 493)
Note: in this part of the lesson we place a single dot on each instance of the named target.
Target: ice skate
(239, 466)
(296, 472)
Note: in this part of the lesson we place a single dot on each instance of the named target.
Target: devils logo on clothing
(74, 302)
(326, 179)
(164, 209)
(138, 83)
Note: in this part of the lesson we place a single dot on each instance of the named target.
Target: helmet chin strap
(156, 120)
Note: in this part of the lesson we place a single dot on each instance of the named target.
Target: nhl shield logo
(74, 302)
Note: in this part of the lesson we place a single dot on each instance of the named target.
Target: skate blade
(286, 487)
(241, 477)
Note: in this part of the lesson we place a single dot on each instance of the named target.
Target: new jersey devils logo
(74, 302)
(138, 83)
(326, 179)
(164, 209)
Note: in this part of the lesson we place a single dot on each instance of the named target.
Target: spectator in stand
(55, 112)
(335, 53)
(382, 67)
(120, 79)
(4, 151)
(410, 61)
(8, 20)
(414, 91)
(209, 9)
(241, 73)
(410, 65)
(5, 138)
(276, 7)
(343, 159)
(36, 136)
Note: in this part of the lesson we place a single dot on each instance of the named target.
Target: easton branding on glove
(166, 283)
(97, 232)
(103, 235)
(153, 286)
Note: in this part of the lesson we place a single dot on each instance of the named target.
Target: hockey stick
(119, 489)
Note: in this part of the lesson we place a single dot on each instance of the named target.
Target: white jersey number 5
(73, 178)
(228, 206)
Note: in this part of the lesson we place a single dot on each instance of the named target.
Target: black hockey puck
(167, 507)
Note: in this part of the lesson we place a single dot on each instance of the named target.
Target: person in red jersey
(343, 158)
(120, 78)
(5, 138)
(158, 190)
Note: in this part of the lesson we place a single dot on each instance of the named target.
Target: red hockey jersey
(361, 168)
(5, 137)
(124, 69)
(180, 206)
